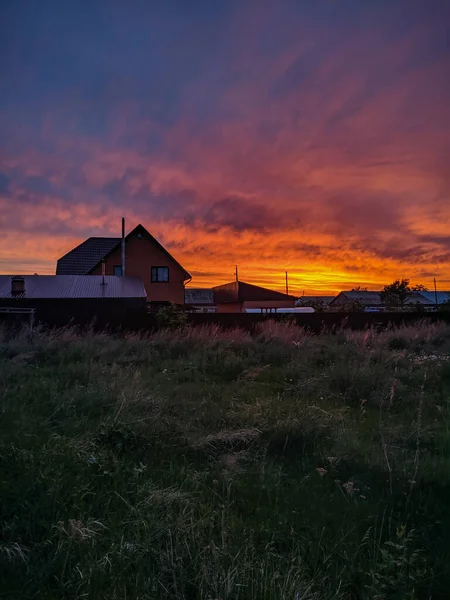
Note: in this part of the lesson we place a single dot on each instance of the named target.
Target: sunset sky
(308, 135)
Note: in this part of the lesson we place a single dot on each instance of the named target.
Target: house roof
(431, 298)
(74, 286)
(83, 259)
(239, 291)
(198, 296)
(417, 298)
(363, 297)
(86, 256)
(373, 298)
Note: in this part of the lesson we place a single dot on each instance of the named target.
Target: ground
(203, 464)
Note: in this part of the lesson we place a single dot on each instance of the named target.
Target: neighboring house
(145, 257)
(433, 298)
(372, 300)
(361, 298)
(59, 299)
(237, 296)
(200, 300)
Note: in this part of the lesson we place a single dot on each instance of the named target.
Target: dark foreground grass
(202, 464)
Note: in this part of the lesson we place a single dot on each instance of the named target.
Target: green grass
(204, 464)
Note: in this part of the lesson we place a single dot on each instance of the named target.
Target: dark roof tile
(82, 259)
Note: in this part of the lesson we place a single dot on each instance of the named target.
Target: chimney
(17, 285)
(123, 246)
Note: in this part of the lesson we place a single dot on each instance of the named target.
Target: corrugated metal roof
(417, 298)
(372, 298)
(441, 297)
(86, 256)
(239, 291)
(198, 296)
(74, 286)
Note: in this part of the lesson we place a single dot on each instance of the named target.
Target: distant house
(200, 300)
(237, 296)
(435, 298)
(372, 300)
(60, 299)
(362, 298)
(145, 257)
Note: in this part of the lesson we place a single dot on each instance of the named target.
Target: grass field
(203, 464)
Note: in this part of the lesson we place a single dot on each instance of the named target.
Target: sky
(308, 136)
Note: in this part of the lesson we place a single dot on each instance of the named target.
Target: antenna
(237, 273)
(287, 285)
(435, 292)
(103, 273)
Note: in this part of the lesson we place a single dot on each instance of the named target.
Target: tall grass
(208, 464)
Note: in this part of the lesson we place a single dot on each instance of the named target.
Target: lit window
(160, 274)
(117, 270)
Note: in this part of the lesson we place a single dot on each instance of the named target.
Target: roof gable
(431, 297)
(239, 291)
(86, 257)
(360, 296)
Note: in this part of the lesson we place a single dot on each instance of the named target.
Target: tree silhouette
(399, 291)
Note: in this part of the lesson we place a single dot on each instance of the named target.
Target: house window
(160, 274)
(117, 270)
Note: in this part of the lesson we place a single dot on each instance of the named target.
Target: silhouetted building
(237, 296)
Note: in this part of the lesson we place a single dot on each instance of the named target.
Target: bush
(171, 317)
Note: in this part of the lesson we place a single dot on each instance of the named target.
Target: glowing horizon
(311, 138)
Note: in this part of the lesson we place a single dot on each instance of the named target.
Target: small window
(160, 274)
(117, 270)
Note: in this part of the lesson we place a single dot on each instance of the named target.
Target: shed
(61, 299)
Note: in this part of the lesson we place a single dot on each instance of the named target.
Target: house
(371, 300)
(60, 299)
(145, 257)
(347, 300)
(435, 300)
(237, 296)
(200, 300)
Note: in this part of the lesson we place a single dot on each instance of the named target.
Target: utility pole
(237, 274)
(435, 293)
(123, 246)
(287, 285)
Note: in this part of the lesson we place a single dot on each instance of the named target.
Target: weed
(201, 463)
